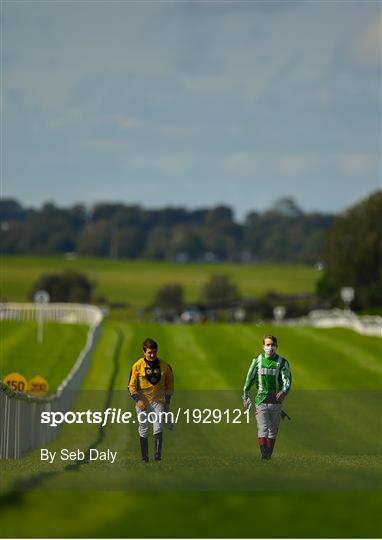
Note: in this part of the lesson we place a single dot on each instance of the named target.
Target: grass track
(52, 359)
(221, 353)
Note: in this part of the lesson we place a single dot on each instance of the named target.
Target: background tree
(186, 243)
(69, 286)
(221, 235)
(96, 239)
(129, 242)
(287, 206)
(10, 210)
(157, 244)
(169, 297)
(353, 255)
(219, 289)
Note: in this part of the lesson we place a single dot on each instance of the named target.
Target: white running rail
(20, 427)
(368, 325)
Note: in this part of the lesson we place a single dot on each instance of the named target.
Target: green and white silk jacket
(271, 375)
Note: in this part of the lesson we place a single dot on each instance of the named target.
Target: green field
(324, 479)
(136, 282)
(52, 359)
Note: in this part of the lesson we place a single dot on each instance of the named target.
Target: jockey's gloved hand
(247, 403)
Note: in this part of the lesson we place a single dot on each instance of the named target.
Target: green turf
(323, 478)
(136, 282)
(52, 359)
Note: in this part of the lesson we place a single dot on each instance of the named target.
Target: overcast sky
(191, 103)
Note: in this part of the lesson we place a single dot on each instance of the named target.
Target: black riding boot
(144, 448)
(264, 451)
(158, 446)
(263, 447)
(270, 447)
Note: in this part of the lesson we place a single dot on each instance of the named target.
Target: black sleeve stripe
(170, 368)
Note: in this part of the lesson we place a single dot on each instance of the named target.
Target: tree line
(283, 233)
(352, 257)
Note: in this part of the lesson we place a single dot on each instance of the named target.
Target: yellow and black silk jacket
(151, 381)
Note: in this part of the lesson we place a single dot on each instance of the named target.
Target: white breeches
(150, 416)
(268, 419)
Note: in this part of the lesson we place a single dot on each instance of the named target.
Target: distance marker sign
(41, 297)
(16, 381)
(38, 386)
